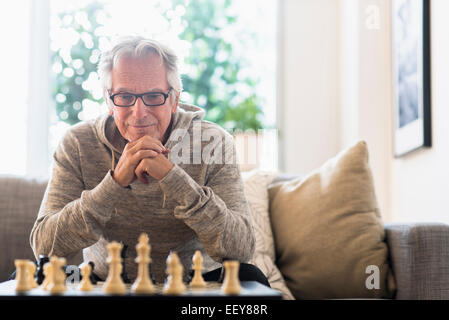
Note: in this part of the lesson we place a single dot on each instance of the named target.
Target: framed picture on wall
(411, 75)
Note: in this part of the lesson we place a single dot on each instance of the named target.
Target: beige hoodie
(204, 207)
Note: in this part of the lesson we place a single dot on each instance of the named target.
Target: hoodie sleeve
(218, 211)
(71, 218)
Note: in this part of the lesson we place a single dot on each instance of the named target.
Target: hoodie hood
(110, 136)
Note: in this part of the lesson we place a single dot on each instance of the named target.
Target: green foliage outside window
(213, 80)
(71, 70)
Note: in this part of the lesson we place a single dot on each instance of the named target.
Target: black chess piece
(39, 277)
(93, 277)
(151, 274)
(189, 276)
(124, 275)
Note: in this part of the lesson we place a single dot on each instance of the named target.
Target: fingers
(137, 150)
(142, 154)
(156, 167)
(133, 159)
(145, 142)
(141, 172)
(145, 138)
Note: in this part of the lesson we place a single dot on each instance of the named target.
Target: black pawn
(124, 275)
(151, 274)
(39, 277)
(93, 277)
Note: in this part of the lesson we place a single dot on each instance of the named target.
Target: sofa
(318, 235)
(418, 252)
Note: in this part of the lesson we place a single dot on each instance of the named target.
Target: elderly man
(114, 177)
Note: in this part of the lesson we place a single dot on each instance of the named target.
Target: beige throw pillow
(328, 232)
(256, 190)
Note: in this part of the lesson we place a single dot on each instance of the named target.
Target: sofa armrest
(419, 255)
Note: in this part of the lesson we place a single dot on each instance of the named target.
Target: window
(14, 84)
(228, 45)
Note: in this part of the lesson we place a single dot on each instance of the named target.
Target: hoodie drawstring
(165, 196)
(113, 160)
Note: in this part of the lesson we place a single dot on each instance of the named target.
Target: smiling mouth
(142, 126)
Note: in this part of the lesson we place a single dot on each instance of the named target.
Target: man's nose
(139, 108)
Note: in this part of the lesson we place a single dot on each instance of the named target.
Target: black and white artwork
(411, 75)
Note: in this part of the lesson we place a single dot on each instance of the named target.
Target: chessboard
(212, 291)
(48, 279)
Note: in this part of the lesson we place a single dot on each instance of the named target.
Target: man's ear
(108, 101)
(175, 104)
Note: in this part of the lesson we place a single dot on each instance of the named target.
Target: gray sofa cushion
(419, 254)
(20, 200)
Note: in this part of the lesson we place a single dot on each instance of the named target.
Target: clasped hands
(145, 156)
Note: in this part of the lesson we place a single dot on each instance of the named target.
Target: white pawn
(114, 283)
(197, 281)
(31, 267)
(85, 284)
(231, 282)
(22, 278)
(143, 283)
(57, 279)
(175, 270)
(47, 274)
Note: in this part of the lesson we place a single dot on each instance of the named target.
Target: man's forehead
(150, 59)
(132, 89)
(138, 74)
(130, 74)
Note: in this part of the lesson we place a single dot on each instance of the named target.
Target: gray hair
(138, 46)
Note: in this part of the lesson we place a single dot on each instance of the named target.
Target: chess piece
(85, 284)
(124, 274)
(31, 267)
(22, 278)
(114, 283)
(152, 277)
(57, 279)
(231, 282)
(93, 277)
(175, 284)
(197, 281)
(143, 283)
(43, 259)
(47, 268)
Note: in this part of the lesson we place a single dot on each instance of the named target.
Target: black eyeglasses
(150, 99)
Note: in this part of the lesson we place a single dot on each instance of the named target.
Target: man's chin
(137, 135)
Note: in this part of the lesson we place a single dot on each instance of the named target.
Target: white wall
(308, 86)
(420, 181)
(333, 87)
(336, 79)
(38, 120)
(374, 94)
(14, 63)
(414, 187)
